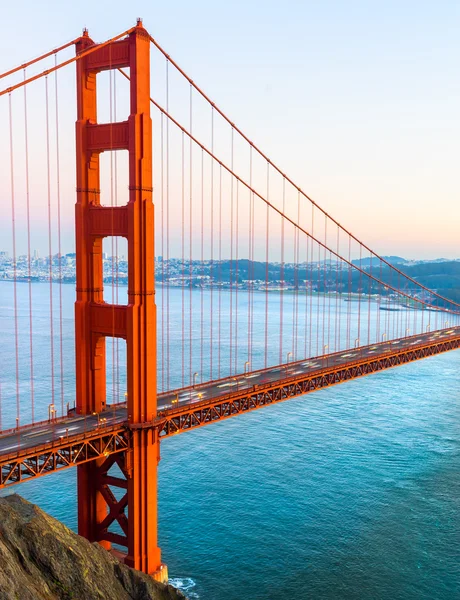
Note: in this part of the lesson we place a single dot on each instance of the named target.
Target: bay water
(352, 492)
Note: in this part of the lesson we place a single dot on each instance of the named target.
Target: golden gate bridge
(192, 186)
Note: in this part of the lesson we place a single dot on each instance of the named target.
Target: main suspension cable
(302, 229)
(83, 54)
(288, 179)
(39, 58)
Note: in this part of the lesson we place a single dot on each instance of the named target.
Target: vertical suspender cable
(252, 243)
(191, 243)
(350, 283)
(112, 239)
(295, 291)
(421, 307)
(330, 288)
(236, 274)
(337, 311)
(183, 259)
(359, 295)
(388, 314)
(211, 270)
(50, 255)
(202, 266)
(369, 304)
(379, 299)
(167, 312)
(162, 317)
(296, 279)
(307, 294)
(281, 302)
(318, 300)
(339, 295)
(15, 297)
(219, 327)
(251, 259)
(58, 196)
(325, 287)
(266, 265)
(117, 280)
(29, 269)
(231, 261)
(310, 325)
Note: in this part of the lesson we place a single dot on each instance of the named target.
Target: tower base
(161, 575)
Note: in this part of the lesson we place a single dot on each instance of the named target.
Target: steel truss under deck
(61, 454)
(110, 440)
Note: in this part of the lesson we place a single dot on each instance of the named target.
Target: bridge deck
(35, 450)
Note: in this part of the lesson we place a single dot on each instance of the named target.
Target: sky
(358, 101)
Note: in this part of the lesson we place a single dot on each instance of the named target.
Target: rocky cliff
(41, 559)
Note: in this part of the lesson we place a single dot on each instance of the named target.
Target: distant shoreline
(347, 296)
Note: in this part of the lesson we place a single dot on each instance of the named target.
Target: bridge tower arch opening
(134, 508)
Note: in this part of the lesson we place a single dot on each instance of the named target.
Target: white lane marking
(11, 448)
(66, 429)
(35, 433)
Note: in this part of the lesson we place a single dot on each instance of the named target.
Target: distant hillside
(329, 276)
(444, 277)
(393, 260)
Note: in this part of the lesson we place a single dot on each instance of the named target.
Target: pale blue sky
(357, 101)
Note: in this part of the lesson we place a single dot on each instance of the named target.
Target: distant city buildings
(314, 277)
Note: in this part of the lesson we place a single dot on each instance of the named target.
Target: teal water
(350, 492)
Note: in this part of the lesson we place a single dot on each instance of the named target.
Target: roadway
(74, 425)
(223, 387)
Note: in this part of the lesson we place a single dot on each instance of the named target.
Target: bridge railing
(290, 377)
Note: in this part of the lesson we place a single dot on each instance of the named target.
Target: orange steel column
(136, 322)
(143, 456)
(90, 349)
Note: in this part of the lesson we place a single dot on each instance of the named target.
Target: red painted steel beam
(105, 221)
(17, 467)
(89, 342)
(144, 454)
(108, 136)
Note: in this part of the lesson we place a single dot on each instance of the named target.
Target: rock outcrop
(41, 559)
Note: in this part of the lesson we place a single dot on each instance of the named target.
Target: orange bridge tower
(114, 509)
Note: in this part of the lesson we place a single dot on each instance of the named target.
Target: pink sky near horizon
(362, 112)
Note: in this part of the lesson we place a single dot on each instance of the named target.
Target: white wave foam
(184, 584)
